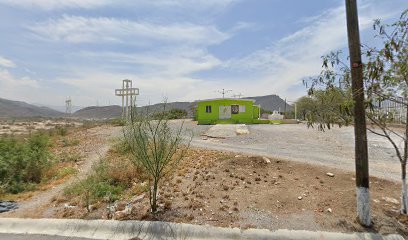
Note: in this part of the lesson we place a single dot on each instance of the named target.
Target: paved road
(334, 148)
(36, 237)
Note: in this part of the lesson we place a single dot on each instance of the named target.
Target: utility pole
(360, 131)
(223, 92)
(68, 106)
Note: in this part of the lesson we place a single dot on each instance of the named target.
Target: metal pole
(295, 111)
(123, 99)
(360, 131)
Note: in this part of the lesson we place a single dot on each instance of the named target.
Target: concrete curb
(124, 230)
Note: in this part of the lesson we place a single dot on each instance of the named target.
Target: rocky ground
(221, 188)
(24, 127)
(229, 190)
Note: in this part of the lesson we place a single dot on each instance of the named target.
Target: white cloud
(56, 4)
(7, 63)
(76, 29)
(283, 65)
(177, 61)
(9, 81)
(165, 73)
(49, 5)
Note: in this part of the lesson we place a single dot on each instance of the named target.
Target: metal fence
(396, 111)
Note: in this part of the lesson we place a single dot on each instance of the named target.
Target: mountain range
(17, 109)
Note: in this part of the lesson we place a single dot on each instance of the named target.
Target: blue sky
(184, 50)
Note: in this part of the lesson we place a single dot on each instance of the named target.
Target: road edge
(124, 230)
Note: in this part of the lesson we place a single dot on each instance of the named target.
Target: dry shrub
(122, 170)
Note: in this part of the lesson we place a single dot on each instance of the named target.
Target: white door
(225, 112)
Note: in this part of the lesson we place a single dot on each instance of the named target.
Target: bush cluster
(171, 114)
(23, 162)
(109, 178)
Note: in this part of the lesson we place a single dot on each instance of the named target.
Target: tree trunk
(404, 192)
(154, 197)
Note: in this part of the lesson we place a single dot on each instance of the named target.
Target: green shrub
(118, 122)
(62, 131)
(23, 162)
(65, 171)
(99, 185)
(171, 114)
(261, 121)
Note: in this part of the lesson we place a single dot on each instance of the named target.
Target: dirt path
(332, 148)
(40, 205)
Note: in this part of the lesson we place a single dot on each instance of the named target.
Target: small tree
(325, 107)
(156, 146)
(385, 79)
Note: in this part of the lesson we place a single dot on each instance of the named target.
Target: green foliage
(385, 79)
(326, 108)
(118, 122)
(122, 147)
(23, 162)
(156, 147)
(387, 67)
(98, 185)
(265, 111)
(261, 121)
(171, 114)
(65, 171)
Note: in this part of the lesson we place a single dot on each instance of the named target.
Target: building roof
(234, 99)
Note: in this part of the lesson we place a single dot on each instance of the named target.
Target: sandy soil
(24, 127)
(221, 188)
(228, 190)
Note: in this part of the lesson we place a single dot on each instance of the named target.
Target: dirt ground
(92, 144)
(222, 188)
(24, 127)
(229, 190)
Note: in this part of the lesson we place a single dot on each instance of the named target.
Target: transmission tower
(68, 106)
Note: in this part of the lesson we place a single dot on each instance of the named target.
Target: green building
(227, 110)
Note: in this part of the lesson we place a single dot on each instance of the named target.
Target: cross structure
(128, 94)
(68, 106)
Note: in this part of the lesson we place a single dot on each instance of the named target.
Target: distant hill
(17, 109)
(58, 108)
(95, 112)
(115, 111)
(270, 103)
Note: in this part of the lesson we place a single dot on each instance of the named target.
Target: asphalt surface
(36, 237)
